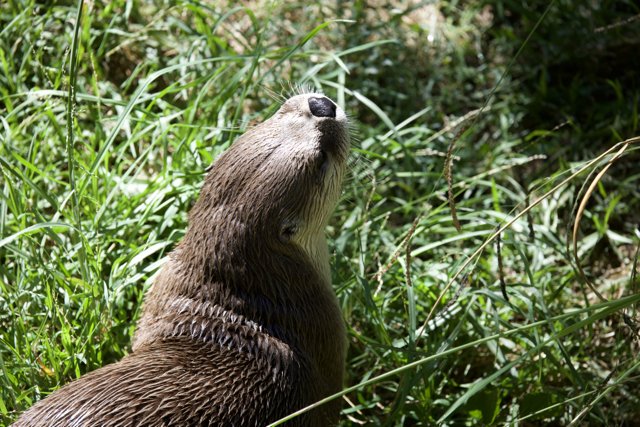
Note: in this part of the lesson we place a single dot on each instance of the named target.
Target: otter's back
(224, 387)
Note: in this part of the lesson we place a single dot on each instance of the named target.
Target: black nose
(322, 107)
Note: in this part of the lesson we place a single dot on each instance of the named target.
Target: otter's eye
(287, 230)
(324, 161)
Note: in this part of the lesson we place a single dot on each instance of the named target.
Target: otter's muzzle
(322, 107)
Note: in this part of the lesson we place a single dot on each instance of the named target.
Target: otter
(241, 326)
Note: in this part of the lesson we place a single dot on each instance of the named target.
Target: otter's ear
(208, 169)
(288, 229)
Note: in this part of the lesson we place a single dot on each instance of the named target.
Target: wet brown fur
(241, 327)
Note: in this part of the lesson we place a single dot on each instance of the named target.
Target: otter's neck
(277, 288)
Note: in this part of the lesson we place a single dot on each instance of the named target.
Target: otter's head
(277, 185)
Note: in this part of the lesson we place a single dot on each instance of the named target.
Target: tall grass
(110, 113)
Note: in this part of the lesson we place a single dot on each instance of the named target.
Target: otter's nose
(322, 107)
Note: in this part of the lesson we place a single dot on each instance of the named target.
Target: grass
(110, 116)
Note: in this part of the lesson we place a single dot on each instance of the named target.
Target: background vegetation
(109, 116)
